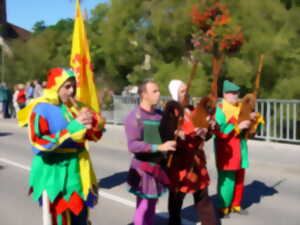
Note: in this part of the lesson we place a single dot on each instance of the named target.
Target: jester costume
(61, 167)
(187, 167)
(231, 153)
(146, 178)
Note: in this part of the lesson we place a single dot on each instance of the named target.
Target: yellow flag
(82, 65)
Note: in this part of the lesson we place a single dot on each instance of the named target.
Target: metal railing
(282, 117)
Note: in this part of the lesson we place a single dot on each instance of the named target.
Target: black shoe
(224, 216)
(224, 213)
(175, 221)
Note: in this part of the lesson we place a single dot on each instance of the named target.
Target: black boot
(174, 207)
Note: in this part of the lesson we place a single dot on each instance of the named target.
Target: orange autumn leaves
(215, 31)
(217, 14)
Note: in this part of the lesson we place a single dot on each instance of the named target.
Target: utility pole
(3, 21)
(2, 66)
(4, 50)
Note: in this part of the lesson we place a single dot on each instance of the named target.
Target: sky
(25, 13)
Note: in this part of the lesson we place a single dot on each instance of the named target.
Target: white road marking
(15, 164)
(117, 199)
(105, 195)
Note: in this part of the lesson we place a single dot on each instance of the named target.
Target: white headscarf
(174, 86)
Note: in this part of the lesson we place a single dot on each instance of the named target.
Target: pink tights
(145, 211)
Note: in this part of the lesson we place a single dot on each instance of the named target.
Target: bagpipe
(173, 115)
(174, 111)
(206, 107)
(248, 102)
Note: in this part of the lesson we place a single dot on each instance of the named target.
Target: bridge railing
(282, 120)
(282, 117)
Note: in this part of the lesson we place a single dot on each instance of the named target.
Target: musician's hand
(212, 124)
(201, 132)
(167, 146)
(253, 116)
(85, 121)
(86, 111)
(244, 124)
(85, 117)
(180, 134)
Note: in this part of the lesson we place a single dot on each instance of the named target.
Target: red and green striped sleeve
(43, 140)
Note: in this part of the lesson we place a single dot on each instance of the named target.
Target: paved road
(272, 194)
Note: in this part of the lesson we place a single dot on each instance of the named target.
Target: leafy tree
(131, 40)
(39, 27)
(136, 28)
(32, 59)
(63, 25)
(290, 3)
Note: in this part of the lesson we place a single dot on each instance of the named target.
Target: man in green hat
(231, 150)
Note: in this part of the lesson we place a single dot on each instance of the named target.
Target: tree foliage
(131, 40)
(39, 27)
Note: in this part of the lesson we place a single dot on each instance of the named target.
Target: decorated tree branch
(217, 35)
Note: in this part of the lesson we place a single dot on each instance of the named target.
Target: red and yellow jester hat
(55, 79)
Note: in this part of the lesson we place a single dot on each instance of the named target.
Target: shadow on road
(1, 167)
(190, 212)
(5, 134)
(113, 180)
(255, 191)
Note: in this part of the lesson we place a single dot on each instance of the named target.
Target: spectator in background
(107, 99)
(44, 85)
(1, 97)
(38, 90)
(6, 99)
(21, 97)
(14, 100)
(125, 91)
(29, 91)
(133, 90)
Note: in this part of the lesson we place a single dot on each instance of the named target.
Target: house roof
(16, 32)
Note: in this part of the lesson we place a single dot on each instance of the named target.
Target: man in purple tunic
(146, 178)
